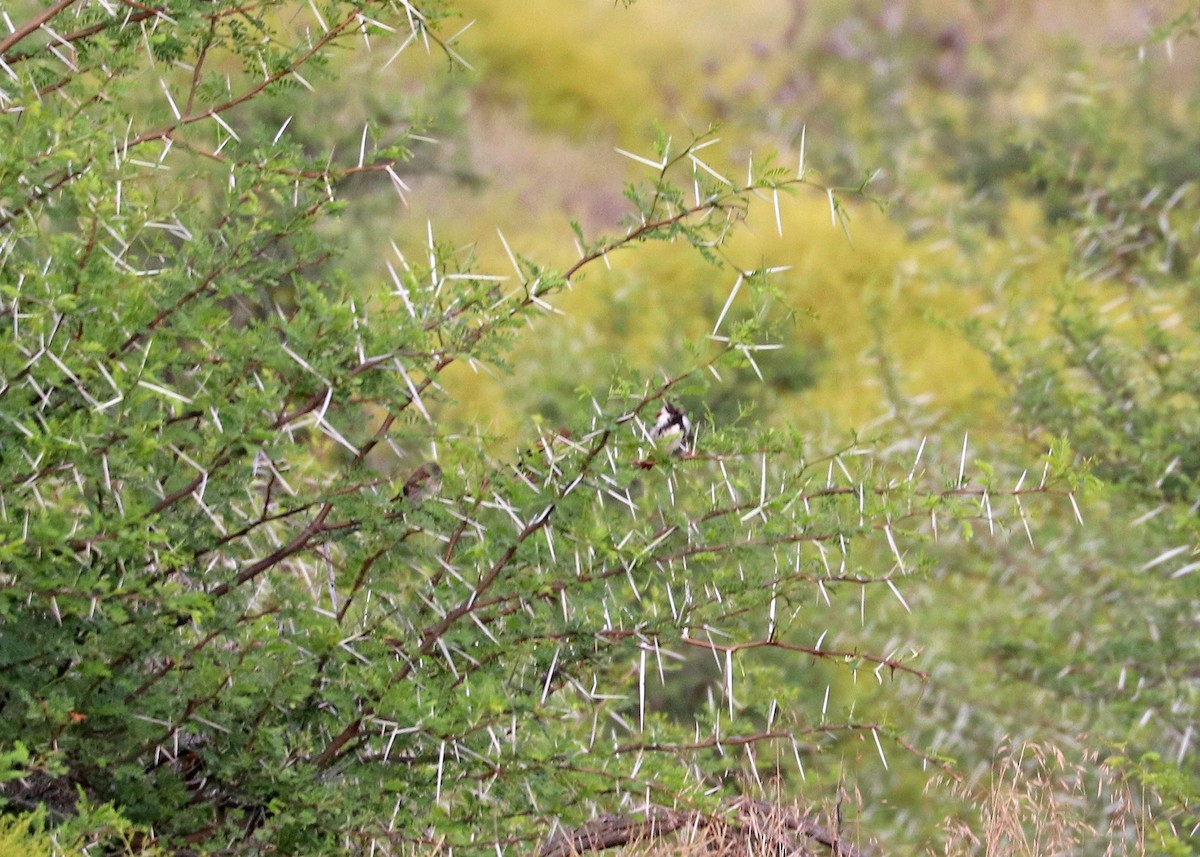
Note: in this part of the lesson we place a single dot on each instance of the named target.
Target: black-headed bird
(672, 430)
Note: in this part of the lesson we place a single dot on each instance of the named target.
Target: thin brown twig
(733, 648)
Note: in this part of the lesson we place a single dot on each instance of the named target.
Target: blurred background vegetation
(1028, 160)
(946, 104)
(1020, 154)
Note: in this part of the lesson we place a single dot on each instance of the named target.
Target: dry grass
(1039, 803)
(1036, 804)
(750, 828)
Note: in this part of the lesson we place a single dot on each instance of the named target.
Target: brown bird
(557, 441)
(425, 482)
(547, 451)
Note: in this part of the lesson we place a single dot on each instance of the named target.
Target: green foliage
(1172, 800)
(1114, 359)
(228, 620)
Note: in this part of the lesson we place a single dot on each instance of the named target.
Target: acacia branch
(431, 635)
(733, 648)
(641, 232)
(40, 194)
(34, 24)
(298, 543)
(191, 118)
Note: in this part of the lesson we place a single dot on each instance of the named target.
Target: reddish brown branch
(733, 648)
(34, 24)
(639, 233)
(298, 543)
(318, 45)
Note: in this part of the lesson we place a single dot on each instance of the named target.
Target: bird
(555, 442)
(547, 451)
(425, 482)
(672, 430)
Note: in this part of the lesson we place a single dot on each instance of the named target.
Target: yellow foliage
(564, 64)
(599, 66)
(22, 836)
(881, 308)
(852, 298)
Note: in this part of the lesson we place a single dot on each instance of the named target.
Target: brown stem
(733, 648)
(34, 24)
